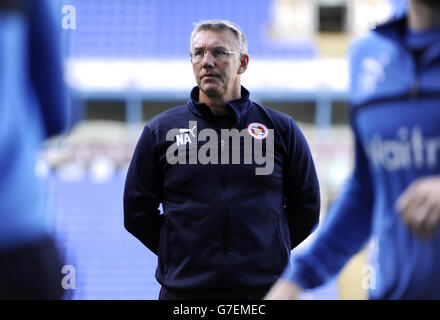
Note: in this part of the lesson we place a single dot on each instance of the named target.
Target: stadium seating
(109, 262)
(161, 28)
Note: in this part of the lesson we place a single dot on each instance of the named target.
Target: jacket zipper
(224, 219)
(415, 87)
(226, 247)
(226, 268)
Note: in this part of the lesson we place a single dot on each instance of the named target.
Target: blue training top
(32, 108)
(395, 117)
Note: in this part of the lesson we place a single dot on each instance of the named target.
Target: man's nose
(208, 60)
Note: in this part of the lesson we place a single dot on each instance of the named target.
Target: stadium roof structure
(269, 79)
(316, 80)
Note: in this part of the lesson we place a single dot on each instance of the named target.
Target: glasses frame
(228, 52)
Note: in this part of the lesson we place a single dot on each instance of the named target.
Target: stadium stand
(160, 29)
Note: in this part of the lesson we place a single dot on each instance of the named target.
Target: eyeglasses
(218, 53)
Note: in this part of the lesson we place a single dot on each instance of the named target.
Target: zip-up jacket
(223, 225)
(395, 116)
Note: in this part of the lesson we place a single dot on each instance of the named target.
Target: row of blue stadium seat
(161, 28)
(88, 224)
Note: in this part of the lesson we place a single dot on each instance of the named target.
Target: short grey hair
(220, 25)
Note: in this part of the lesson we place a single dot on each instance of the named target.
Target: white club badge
(258, 130)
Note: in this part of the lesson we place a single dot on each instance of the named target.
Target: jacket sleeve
(301, 195)
(46, 67)
(143, 193)
(344, 231)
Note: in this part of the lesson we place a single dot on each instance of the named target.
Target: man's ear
(244, 61)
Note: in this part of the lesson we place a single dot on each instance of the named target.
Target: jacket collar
(236, 108)
(394, 29)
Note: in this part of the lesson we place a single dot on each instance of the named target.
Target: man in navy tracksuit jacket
(227, 228)
(393, 193)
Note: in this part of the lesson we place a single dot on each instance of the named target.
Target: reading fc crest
(258, 130)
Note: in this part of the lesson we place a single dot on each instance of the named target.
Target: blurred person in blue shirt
(393, 193)
(32, 109)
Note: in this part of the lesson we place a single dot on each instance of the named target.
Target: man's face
(216, 76)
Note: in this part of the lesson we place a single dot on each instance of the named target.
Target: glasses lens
(217, 53)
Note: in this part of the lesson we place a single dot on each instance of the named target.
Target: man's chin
(211, 91)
